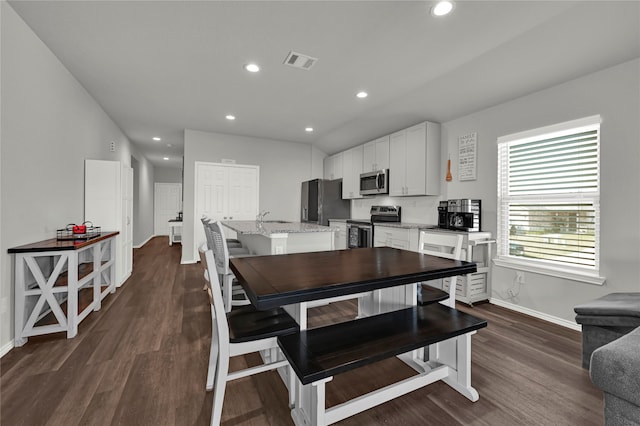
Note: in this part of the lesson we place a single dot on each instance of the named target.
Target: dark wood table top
(279, 280)
(53, 244)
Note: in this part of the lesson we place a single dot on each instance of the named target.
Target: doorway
(167, 204)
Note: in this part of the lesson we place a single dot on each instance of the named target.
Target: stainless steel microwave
(372, 183)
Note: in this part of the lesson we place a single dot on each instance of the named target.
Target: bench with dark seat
(316, 355)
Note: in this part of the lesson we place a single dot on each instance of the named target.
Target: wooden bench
(318, 354)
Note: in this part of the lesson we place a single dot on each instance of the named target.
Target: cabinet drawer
(468, 285)
(387, 233)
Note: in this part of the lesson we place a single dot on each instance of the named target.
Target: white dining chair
(447, 245)
(232, 292)
(243, 331)
(234, 245)
(234, 248)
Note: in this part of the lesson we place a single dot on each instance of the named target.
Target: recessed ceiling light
(362, 95)
(165, 158)
(252, 67)
(442, 8)
(230, 117)
(308, 129)
(155, 138)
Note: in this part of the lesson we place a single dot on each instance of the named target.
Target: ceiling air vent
(298, 60)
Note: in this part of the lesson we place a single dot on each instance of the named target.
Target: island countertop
(267, 228)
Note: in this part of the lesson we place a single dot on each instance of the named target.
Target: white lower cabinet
(340, 237)
(402, 238)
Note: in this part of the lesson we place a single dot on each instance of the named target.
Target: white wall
(143, 179)
(50, 124)
(613, 93)
(167, 175)
(283, 166)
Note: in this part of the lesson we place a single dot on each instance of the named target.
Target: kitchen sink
(275, 221)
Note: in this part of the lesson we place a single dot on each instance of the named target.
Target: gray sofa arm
(615, 367)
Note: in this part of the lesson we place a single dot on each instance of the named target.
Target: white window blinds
(548, 194)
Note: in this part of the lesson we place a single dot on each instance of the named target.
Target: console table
(59, 283)
(175, 231)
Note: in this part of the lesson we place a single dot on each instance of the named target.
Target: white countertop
(267, 227)
(405, 225)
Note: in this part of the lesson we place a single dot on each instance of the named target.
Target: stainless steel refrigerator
(322, 200)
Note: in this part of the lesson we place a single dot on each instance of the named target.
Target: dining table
(294, 280)
(388, 275)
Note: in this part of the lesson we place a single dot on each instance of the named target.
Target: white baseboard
(6, 348)
(559, 321)
(144, 242)
(188, 262)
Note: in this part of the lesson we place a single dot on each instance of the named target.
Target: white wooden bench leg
(310, 405)
(460, 376)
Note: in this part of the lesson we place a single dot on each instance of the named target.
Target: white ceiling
(159, 67)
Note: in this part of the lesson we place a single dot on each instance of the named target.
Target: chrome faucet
(261, 215)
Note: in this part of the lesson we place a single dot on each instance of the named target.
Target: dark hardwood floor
(142, 360)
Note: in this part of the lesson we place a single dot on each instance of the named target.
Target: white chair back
(219, 247)
(443, 245)
(222, 347)
(218, 314)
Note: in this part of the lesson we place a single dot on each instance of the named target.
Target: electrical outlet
(520, 277)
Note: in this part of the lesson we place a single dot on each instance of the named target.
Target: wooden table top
(279, 280)
(54, 244)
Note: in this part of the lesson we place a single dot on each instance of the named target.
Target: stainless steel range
(360, 232)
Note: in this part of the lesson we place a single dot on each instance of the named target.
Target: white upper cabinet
(352, 168)
(333, 166)
(414, 160)
(376, 155)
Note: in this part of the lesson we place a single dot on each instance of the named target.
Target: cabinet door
(340, 237)
(352, 162)
(397, 163)
(369, 157)
(328, 167)
(416, 155)
(382, 153)
(333, 166)
(356, 169)
(348, 185)
(337, 161)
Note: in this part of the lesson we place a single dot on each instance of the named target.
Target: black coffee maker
(443, 210)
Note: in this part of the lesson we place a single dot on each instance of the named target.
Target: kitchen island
(282, 237)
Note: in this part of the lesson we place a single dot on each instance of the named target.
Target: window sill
(568, 274)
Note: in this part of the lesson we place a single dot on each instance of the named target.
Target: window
(548, 197)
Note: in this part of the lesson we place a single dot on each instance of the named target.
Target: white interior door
(127, 222)
(167, 204)
(108, 203)
(224, 192)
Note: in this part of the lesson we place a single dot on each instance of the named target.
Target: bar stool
(234, 245)
(236, 251)
(230, 286)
